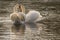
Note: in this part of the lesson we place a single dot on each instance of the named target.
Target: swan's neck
(19, 8)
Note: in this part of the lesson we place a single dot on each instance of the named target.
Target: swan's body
(19, 16)
(32, 16)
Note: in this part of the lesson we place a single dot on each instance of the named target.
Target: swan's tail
(19, 8)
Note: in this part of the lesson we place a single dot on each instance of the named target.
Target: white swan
(19, 16)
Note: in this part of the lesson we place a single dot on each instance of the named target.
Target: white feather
(32, 16)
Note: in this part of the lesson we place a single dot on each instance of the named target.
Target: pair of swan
(20, 16)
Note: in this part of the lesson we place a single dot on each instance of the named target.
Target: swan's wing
(31, 16)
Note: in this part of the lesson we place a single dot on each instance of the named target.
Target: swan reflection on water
(20, 29)
(32, 25)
